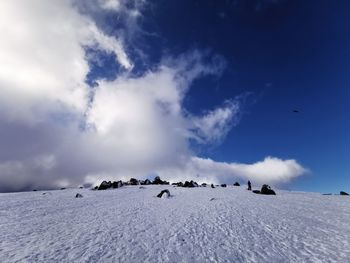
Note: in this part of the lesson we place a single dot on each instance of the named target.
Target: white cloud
(114, 5)
(134, 125)
(214, 125)
(271, 170)
(42, 55)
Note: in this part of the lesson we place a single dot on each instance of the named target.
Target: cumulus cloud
(42, 55)
(271, 170)
(57, 131)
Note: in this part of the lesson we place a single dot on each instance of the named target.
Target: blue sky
(227, 76)
(285, 55)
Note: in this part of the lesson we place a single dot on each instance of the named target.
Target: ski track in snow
(194, 225)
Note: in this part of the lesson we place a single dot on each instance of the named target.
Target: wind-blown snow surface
(194, 225)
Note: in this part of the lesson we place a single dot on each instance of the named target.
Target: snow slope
(194, 225)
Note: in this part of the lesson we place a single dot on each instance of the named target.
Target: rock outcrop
(163, 193)
(157, 180)
(266, 190)
(105, 185)
(190, 184)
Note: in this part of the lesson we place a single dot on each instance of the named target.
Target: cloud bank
(57, 131)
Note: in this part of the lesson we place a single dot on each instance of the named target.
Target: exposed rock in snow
(117, 184)
(146, 182)
(157, 180)
(105, 185)
(133, 181)
(165, 193)
(190, 184)
(236, 184)
(223, 185)
(343, 193)
(266, 190)
(78, 195)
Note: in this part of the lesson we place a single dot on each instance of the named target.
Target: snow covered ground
(194, 225)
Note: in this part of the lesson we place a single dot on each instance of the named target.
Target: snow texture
(194, 225)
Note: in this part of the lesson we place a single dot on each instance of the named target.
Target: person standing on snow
(249, 186)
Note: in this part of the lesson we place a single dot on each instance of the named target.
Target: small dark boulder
(256, 191)
(223, 185)
(147, 182)
(236, 184)
(105, 185)
(166, 192)
(78, 195)
(212, 186)
(134, 181)
(266, 190)
(204, 185)
(63, 188)
(157, 180)
(81, 187)
(179, 184)
(117, 184)
(343, 193)
(190, 184)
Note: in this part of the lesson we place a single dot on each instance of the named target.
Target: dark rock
(95, 188)
(204, 185)
(81, 187)
(63, 188)
(117, 184)
(190, 184)
(236, 184)
(157, 180)
(105, 185)
(166, 192)
(142, 187)
(223, 185)
(327, 194)
(256, 191)
(212, 186)
(78, 195)
(34, 190)
(266, 190)
(134, 181)
(147, 182)
(179, 184)
(343, 193)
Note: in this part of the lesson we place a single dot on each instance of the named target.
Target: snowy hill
(130, 224)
